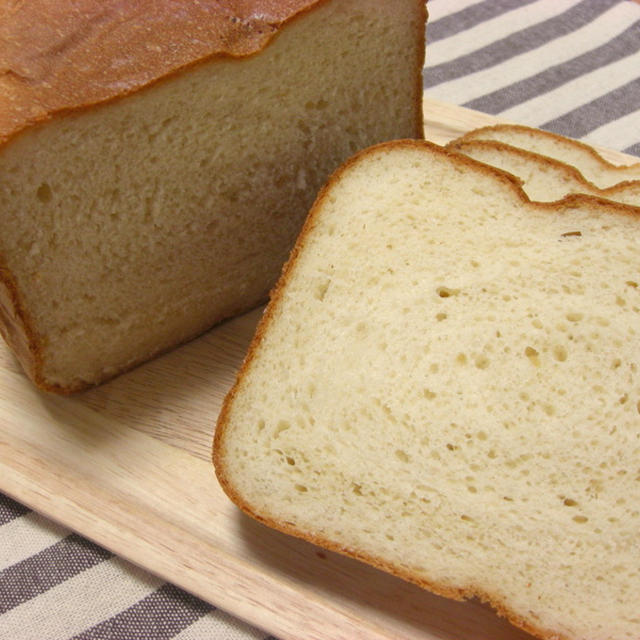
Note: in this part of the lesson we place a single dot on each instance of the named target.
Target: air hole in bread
(533, 355)
(282, 426)
(447, 292)
(44, 193)
(560, 353)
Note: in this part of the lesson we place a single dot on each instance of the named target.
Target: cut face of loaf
(543, 179)
(445, 384)
(132, 224)
(583, 157)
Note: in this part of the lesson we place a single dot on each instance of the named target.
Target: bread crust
(56, 60)
(463, 592)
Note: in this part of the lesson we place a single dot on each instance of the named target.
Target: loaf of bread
(157, 160)
(543, 179)
(445, 385)
(580, 155)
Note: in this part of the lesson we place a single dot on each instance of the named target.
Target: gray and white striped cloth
(561, 65)
(570, 66)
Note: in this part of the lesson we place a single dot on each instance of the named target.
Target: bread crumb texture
(448, 386)
(131, 226)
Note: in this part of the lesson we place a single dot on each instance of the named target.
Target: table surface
(567, 66)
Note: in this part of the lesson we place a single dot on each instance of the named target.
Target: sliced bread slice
(582, 156)
(543, 179)
(445, 385)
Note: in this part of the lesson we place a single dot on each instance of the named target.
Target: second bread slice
(580, 155)
(543, 179)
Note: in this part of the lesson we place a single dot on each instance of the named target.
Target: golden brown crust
(55, 57)
(456, 592)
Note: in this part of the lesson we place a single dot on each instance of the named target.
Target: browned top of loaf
(59, 56)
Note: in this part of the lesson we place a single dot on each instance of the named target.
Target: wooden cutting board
(127, 465)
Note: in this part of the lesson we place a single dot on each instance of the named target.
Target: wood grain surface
(127, 465)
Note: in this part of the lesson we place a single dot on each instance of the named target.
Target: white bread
(583, 157)
(157, 160)
(445, 385)
(543, 179)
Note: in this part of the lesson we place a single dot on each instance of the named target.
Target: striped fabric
(561, 65)
(54, 584)
(570, 66)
